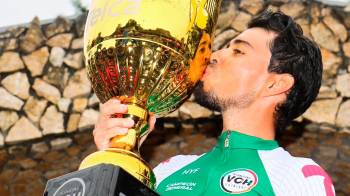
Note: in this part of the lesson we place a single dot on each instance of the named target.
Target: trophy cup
(149, 54)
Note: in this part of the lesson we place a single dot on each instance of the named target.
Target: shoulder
(291, 175)
(168, 167)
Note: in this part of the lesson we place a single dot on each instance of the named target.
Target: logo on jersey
(238, 181)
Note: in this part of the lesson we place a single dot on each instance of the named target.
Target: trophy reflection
(150, 54)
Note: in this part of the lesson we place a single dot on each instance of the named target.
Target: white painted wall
(13, 12)
(336, 2)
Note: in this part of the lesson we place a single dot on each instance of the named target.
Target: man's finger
(151, 121)
(118, 122)
(113, 106)
(102, 139)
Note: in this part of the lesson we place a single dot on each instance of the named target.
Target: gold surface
(148, 53)
(129, 161)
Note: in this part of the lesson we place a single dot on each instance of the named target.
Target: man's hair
(295, 54)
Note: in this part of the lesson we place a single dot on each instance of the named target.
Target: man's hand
(107, 127)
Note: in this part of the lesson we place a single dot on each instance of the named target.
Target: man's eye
(237, 51)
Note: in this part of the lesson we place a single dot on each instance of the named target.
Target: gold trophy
(149, 54)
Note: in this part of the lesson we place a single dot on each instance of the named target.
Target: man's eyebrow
(203, 43)
(240, 41)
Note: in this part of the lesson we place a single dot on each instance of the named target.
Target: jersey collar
(233, 139)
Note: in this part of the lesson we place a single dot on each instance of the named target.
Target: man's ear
(278, 84)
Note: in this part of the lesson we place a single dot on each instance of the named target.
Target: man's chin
(205, 99)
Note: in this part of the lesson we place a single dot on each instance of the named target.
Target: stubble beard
(216, 103)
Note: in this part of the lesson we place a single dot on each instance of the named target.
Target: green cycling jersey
(244, 165)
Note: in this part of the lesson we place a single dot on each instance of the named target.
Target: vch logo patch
(238, 181)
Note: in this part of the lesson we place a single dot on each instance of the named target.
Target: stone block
(17, 84)
(22, 130)
(10, 61)
(36, 61)
(52, 121)
(9, 101)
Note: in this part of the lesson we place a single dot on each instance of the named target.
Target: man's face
(237, 74)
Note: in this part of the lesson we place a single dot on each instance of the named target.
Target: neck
(250, 121)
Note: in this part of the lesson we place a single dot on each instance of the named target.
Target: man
(267, 76)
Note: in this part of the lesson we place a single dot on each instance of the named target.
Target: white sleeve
(295, 176)
(168, 167)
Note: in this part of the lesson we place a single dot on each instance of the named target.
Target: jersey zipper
(225, 154)
(227, 140)
(212, 171)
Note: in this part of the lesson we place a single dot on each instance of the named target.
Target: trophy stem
(130, 141)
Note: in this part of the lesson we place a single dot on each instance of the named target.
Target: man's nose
(214, 58)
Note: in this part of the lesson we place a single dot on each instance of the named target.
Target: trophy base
(129, 161)
(99, 180)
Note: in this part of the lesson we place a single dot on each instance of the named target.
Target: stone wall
(44, 87)
(47, 107)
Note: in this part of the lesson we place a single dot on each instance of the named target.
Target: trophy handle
(131, 139)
